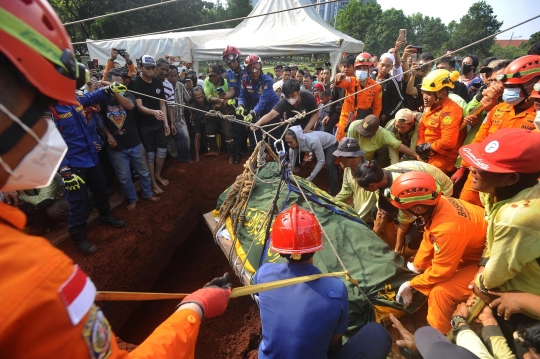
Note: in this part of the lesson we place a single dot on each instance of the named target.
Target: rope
(118, 13)
(211, 23)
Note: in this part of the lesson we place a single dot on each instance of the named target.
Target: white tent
(297, 32)
(174, 44)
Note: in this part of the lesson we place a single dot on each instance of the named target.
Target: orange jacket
(454, 237)
(371, 98)
(110, 65)
(47, 306)
(440, 127)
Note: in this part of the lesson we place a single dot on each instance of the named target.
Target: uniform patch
(77, 293)
(433, 240)
(447, 120)
(97, 334)
(460, 210)
(492, 146)
(158, 91)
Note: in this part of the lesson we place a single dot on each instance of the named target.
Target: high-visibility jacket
(440, 128)
(368, 99)
(47, 306)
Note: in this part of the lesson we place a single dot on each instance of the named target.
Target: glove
(405, 292)
(115, 87)
(231, 102)
(424, 151)
(252, 115)
(72, 181)
(412, 268)
(458, 175)
(240, 110)
(213, 297)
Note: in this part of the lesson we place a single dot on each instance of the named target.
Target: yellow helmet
(437, 79)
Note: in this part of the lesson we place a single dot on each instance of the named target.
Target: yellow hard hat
(437, 79)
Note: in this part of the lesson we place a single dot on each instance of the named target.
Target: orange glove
(213, 297)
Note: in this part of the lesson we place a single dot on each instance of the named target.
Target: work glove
(231, 102)
(72, 182)
(213, 297)
(424, 151)
(252, 115)
(458, 175)
(412, 268)
(240, 110)
(115, 87)
(405, 293)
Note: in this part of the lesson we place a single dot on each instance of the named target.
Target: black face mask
(467, 69)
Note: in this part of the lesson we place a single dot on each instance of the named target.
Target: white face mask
(292, 101)
(537, 120)
(361, 74)
(39, 166)
(512, 96)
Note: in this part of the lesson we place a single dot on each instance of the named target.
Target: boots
(237, 154)
(82, 244)
(106, 218)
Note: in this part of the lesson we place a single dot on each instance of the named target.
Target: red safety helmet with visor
(253, 63)
(230, 53)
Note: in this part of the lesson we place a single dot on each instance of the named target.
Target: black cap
(348, 147)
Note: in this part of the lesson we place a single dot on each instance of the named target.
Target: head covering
(507, 150)
(213, 70)
(147, 60)
(388, 55)
(368, 126)
(348, 147)
(491, 65)
(404, 114)
(277, 85)
(432, 344)
(319, 86)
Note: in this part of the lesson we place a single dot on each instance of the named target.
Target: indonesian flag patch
(77, 293)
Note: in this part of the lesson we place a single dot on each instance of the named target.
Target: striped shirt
(181, 96)
(169, 92)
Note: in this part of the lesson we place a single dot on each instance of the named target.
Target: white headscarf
(387, 55)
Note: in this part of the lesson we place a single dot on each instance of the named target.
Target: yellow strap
(236, 292)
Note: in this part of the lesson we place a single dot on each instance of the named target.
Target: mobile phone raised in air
(91, 65)
(121, 52)
(96, 63)
(220, 91)
(403, 34)
(416, 49)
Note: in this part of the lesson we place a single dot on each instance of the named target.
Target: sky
(510, 12)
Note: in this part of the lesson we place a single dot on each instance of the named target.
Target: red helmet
(251, 63)
(364, 59)
(413, 188)
(536, 90)
(36, 42)
(230, 53)
(521, 70)
(296, 231)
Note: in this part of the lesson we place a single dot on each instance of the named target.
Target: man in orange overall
(453, 242)
(47, 305)
(439, 137)
(517, 110)
(354, 79)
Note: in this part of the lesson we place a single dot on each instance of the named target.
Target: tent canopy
(297, 32)
(174, 44)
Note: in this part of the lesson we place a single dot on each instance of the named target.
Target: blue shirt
(235, 80)
(259, 96)
(71, 122)
(298, 321)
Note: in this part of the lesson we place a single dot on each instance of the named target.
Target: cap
(432, 344)
(147, 60)
(507, 150)
(213, 70)
(277, 85)
(348, 147)
(368, 126)
(404, 115)
(491, 65)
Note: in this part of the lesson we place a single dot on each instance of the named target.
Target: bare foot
(162, 181)
(156, 189)
(211, 154)
(132, 206)
(197, 159)
(152, 199)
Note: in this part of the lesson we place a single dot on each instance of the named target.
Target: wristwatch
(457, 320)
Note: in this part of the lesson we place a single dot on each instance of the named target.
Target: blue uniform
(235, 80)
(258, 96)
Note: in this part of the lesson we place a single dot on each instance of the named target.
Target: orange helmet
(36, 42)
(364, 59)
(413, 188)
(521, 70)
(536, 90)
(296, 231)
(252, 63)
(231, 53)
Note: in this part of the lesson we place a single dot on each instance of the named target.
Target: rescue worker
(374, 179)
(438, 132)
(354, 79)
(453, 241)
(47, 302)
(308, 320)
(257, 94)
(235, 75)
(516, 111)
(505, 170)
(536, 95)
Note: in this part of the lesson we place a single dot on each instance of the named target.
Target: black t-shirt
(198, 115)
(121, 123)
(155, 89)
(307, 103)
(412, 103)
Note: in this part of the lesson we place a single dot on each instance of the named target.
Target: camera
(121, 52)
(416, 49)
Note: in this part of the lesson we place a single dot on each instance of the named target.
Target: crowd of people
(449, 157)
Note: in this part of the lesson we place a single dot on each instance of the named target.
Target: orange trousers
(469, 195)
(444, 298)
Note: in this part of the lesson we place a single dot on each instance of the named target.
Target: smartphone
(96, 63)
(403, 34)
(138, 61)
(220, 91)
(91, 65)
(416, 49)
(121, 52)
(477, 85)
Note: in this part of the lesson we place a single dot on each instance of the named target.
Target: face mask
(292, 101)
(511, 96)
(537, 121)
(467, 69)
(39, 166)
(361, 74)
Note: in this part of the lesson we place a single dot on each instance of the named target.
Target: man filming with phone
(111, 62)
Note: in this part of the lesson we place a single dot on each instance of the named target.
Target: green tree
(508, 52)
(386, 31)
(359, 20)
(478, 23)
(526, 45)
(428, 32)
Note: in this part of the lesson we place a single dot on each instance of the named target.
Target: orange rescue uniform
(500, 116)
(368, 99)
(47, 310)
(440, 128)
(451, 248)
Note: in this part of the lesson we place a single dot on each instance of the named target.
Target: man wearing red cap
(505, 169)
